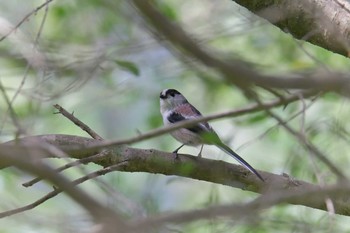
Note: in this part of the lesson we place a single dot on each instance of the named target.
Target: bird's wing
(233, 154)
(175, 117)
(188, 112)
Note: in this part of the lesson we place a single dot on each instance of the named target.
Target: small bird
(174, 108)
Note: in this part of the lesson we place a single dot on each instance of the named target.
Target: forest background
(273, 80)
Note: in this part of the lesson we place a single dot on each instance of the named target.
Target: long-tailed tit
(174, 107)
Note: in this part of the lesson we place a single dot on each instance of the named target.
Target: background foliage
(102, 63)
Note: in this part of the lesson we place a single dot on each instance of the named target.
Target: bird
(174, 108)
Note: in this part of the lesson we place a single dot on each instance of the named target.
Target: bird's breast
(187, 137)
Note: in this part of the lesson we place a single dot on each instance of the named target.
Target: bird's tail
(233, 154)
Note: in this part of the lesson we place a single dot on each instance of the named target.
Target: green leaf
(254, 119)
(128, 66)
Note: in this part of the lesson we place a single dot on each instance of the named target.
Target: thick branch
(325, 23)
(153, 161)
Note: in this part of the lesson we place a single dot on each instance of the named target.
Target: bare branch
(68, 165)
(35, 165)
(57, 191)
(307, 144)
(25, 18)
(11, 110)
(157, 162)
(78, 122)
(84, 127)
(234, 70)
(278, 124)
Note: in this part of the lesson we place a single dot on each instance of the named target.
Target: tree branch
(157, 162)
(56, 191)
(325, 23)
(35, 165)
(77, 122)
(233, 70)
(25, 18)
(242, 211)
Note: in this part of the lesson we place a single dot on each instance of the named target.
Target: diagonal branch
(35, 165)
(25, 18)
(77, 122)
(57, 191)
(239, 74)
(306, 143)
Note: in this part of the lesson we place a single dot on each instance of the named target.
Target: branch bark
(33, 164)
(158, 162)
(325, 23)
(233, 71)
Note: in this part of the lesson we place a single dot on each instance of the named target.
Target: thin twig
(11, 110)
(68, 165)
(307, 144)
(25, 18)
(84, 127)
(78, 122)
(303, 116)
(42, 22)
(259, 137)
(100, 213)
(28, 65)
(57, 191)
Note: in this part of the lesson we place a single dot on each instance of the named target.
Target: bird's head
(171, 98)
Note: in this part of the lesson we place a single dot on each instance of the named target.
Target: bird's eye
(171, 92)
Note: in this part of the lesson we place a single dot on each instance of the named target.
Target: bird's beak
(162, 96)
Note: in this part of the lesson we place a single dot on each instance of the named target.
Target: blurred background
(99, 60)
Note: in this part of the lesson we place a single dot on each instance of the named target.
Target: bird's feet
(176, 151)
(200, 152)
(176, 154)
